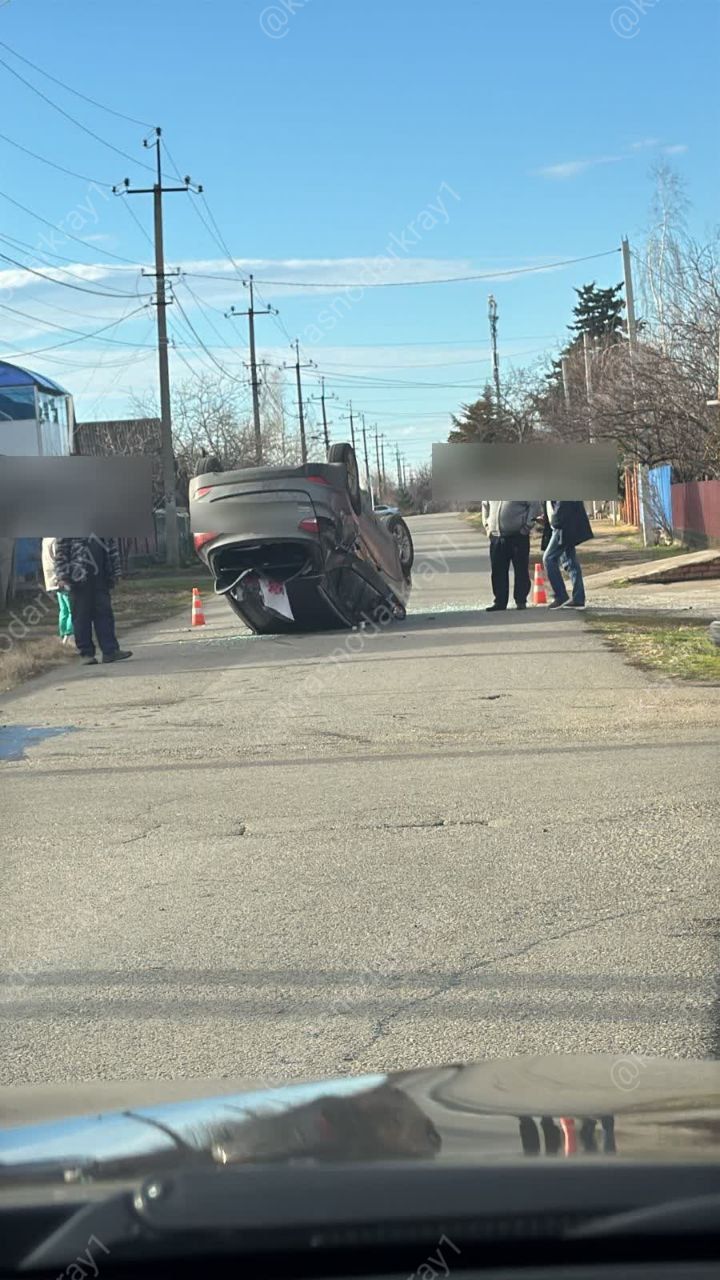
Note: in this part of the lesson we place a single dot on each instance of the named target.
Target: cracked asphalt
(465, 836)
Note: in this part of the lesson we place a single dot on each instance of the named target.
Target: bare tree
(211, 416)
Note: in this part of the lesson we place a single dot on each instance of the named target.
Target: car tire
(400, 532)
(345, 454)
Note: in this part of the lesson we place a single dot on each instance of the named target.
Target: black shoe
(557, 604)
(495, 608)
(117, 656)
(89, 662)
(521, 606)
(570, 604)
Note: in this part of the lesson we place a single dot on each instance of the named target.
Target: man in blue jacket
(569, 526)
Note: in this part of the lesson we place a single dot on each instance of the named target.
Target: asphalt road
(468, 835)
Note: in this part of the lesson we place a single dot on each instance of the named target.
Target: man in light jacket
(508, 526)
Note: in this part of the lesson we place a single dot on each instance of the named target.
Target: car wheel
(400, 532)
(345, 454)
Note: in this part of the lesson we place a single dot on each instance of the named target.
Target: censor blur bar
(567, 472)
(76, 497)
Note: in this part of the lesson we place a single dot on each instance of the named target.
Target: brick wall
(687, 572)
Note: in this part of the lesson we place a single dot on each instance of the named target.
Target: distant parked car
(381, 509)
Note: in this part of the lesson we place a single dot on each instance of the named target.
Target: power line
(405, 284)
(127, 205)
(211, 227)
(201, 344)
(446, 342)
(190, 337)
(70, 341)
(175, 330)
(68, 234)
(93, 102)
(43, 160)
(199, 303)
(114, 293)
(78, 123)
(430, 364)
(63, 328)
(102, 364)
(276, 318)
(375, 381)
(98, 293)
(67, 311)
(50, 253)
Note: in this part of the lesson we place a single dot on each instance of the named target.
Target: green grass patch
(680, 649)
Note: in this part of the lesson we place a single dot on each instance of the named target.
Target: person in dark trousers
(566, 527)
(508, 526)
(88, 569)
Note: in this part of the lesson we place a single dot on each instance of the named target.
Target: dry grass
(32, 656)
(680, 649)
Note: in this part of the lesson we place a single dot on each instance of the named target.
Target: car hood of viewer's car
(620, 1107)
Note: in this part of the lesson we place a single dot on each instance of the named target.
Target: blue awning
(11, 375)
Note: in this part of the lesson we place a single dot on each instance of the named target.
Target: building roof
(11, 375)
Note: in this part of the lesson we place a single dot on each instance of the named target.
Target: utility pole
(326, 433)
(367, 460)
(377, 455)
(588, 378)
(301, 412)
(382, 454)
(399, 466)
(716, 402)
(348, 417)
(588, 391)
(321, 400)
(632, 345)
(493, 318)
(629, 295)
(172, 539)
(251, 313)
(565, 382)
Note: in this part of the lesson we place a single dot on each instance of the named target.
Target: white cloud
(572, 168)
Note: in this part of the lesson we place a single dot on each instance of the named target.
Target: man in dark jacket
(88, 569)
(568, 527)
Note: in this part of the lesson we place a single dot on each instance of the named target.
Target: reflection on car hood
(553, 1107)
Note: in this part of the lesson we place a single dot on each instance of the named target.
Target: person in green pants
(65, 622)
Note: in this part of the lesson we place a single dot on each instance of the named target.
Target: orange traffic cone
(197, 617)
(539, 594)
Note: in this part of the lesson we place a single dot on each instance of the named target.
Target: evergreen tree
(477, 423)
(598, 312)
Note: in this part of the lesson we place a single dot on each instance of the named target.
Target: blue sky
(344, 141)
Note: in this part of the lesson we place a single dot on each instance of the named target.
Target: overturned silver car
(300, 548)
